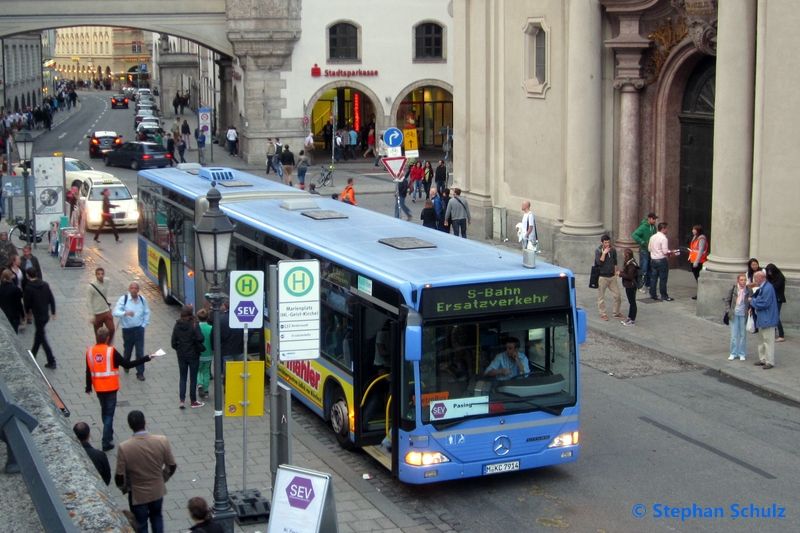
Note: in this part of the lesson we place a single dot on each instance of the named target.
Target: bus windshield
(491, 366)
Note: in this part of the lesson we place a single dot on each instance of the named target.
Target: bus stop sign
(246, 311)
(247, 299)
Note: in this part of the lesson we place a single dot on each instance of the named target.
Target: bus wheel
(163, 285)
(340, 420)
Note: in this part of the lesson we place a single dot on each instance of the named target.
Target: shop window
(536, 57)
(343, 42)
(429, 41)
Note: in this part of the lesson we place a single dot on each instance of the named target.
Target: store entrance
(428, 109)
(352, 108)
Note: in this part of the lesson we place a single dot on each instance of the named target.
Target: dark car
(119, 100)
(138, 155)
(103, 141)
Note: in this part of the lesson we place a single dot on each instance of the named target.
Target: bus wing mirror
(580, 329)
(413, 343)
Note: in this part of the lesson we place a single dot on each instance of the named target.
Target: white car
(143, 92)
(125, 214)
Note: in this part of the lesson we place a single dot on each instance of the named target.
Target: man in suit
(100, 460)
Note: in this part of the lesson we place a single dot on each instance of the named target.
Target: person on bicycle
(107, 217)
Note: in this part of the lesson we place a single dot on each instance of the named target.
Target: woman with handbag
(778, 282)
(187, 341)
(737, 309)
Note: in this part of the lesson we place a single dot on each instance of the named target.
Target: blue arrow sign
(393, 137)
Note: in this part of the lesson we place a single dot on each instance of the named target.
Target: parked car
(102, 141)
(140, 107)
(125, 214)
(141, 114)
(142, 92)
(119, 100)
(147, 131)
(138, 155)
(152, 119)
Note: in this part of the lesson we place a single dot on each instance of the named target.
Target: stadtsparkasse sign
(495, 297)
(316, 71)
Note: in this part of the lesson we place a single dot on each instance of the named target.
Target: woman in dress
(778, 282)
(187, 340)
(737, 307)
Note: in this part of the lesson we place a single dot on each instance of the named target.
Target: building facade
(600, 111)
(21, 84)
(350, 62)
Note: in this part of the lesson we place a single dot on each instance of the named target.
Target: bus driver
(508, 364)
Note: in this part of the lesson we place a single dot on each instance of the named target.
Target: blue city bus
(410, 320)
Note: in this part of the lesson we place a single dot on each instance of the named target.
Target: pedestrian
(310, 147)
(659, 268)
(181, 148)
(628, 275)
(428, 215)
(764, 305)
(440, 177)
(642, 237)
(327, 135)
(445, 225)
(15, 266)
(144, 465)
(417, 181)
(605, 257)
(752, 268)
(176, 128)
(528, 227)
(271, 156)
(232, 137)
(106, 217)
(134, 315)
(171, 149)
(287, 160)
(100, 460)
(186, 131)
(698, 252)
(427, 179)
(176, 102)
(302, 168)
(778, 282)
(339, 149)
(99, 308)
(29, 260)
(158, 138)
(11, 300)
(7, 248)
(102, 374)
(206, 355)
(201, 148)
(353, 136)
(737, 309)
(381, 151)
(457, 214)
(39, 302)
(187, 341)
(401, 194)
(349, 194)
(370, 144)
(201, 514)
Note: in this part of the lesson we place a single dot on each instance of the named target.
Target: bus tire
(340, 419)
(164, 285)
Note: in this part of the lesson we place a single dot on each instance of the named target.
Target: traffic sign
(246, 299)
(393, 137)
(395, 165)
(305, 121)
(204, 120)
(143, 68)
(298, 310)
(394, 151)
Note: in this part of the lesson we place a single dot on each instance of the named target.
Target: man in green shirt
(642, 237)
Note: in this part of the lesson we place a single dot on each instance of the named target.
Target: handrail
(366, 392)
(16, 425)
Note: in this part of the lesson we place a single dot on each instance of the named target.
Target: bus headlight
(426, 458)
(567, 439)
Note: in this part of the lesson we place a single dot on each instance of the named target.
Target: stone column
(733, 151)
(584, 180)
(225, 105)
(629, 162)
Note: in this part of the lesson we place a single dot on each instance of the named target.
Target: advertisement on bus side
(153, 257)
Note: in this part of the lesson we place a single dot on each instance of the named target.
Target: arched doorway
(428, 108)
(697, 152)
(351, 107)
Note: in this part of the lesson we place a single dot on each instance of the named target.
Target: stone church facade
(600, 111)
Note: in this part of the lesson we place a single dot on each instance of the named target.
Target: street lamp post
(24, 142)
(214, 234)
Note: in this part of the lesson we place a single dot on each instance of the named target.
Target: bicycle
(19, 235)
(325, 177)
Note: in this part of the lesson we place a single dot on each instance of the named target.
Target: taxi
(125, 214)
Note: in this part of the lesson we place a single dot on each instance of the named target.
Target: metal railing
(16, 425)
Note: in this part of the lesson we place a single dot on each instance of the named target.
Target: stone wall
(84, 494)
